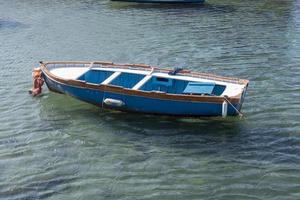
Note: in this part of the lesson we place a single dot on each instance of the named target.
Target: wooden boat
(146, 89)
(164, 1)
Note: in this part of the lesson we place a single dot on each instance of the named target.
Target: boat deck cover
(199, 88)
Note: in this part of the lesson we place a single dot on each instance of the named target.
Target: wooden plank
(142, 82)
(111, 78)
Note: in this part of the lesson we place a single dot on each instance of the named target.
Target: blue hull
(141, 104)
(163, 1)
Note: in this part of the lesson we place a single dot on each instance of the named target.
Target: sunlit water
(55, 147)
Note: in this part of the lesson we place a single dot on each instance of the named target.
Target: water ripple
(55, 147)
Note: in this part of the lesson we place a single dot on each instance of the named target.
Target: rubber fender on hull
(113, 102)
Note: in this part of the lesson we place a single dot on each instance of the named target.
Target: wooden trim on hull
(121, 90)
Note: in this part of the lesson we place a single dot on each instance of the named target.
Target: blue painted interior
(218, 90)
(95, 76)
(127, 80)
(178, 87)
(172, 86)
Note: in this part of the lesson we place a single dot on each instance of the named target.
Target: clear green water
(55, 147)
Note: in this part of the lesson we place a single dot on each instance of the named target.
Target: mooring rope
(240, 113)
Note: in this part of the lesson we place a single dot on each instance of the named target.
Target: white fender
(113, 102)
(224, 109)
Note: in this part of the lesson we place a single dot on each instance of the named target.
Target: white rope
(240, 113)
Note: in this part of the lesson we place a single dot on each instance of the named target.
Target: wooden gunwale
(157, 69)
(183, 73)
(121, 90)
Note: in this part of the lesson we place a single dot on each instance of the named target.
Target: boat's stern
(243, 95)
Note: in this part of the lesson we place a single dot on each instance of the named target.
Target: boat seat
(142, 82)
(111, 78)
(199, 88)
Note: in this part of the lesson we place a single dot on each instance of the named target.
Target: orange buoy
(37, 82)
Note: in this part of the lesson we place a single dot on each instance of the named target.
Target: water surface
(55, 147)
